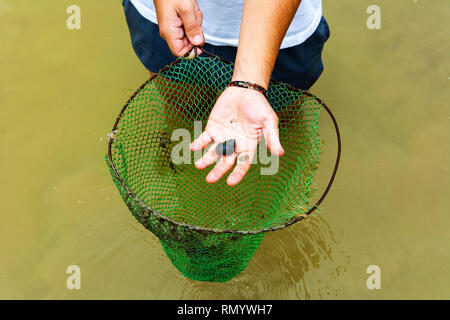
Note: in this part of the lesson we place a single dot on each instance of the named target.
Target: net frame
(192, 54)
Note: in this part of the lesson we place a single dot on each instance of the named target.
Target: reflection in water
(283, 267)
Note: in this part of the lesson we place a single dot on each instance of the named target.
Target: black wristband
(249, 85)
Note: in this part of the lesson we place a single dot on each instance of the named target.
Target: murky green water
(60, 91)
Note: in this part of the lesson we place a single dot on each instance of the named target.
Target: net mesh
(208, 231)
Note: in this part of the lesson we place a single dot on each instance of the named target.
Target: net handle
(195, 50)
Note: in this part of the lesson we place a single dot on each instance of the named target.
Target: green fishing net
(209, 231)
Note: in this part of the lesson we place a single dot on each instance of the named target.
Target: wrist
(251, 72)
(252, 80)
(249, 85)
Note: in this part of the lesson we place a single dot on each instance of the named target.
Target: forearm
(263, 27)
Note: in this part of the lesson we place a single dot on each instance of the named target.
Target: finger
(178, 46)
(208, 158)
(223, 166)
(198, 12)
(185, 49)
(174, 37)
(201, 142)
(271, 135)
(195, 53)
(193, 29)
(244, 161)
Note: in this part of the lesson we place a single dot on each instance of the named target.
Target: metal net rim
(143, 205)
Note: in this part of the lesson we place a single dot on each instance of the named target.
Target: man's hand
(180, 24)
(245, 116)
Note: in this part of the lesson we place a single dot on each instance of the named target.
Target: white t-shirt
(222, 18)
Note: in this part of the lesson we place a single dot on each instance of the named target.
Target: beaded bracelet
(249, 85)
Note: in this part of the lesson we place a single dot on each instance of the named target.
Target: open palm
(245, 116)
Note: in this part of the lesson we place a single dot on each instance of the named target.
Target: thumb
(192, 25)
(271, 135)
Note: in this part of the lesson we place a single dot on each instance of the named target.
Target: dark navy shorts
(300, 65)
